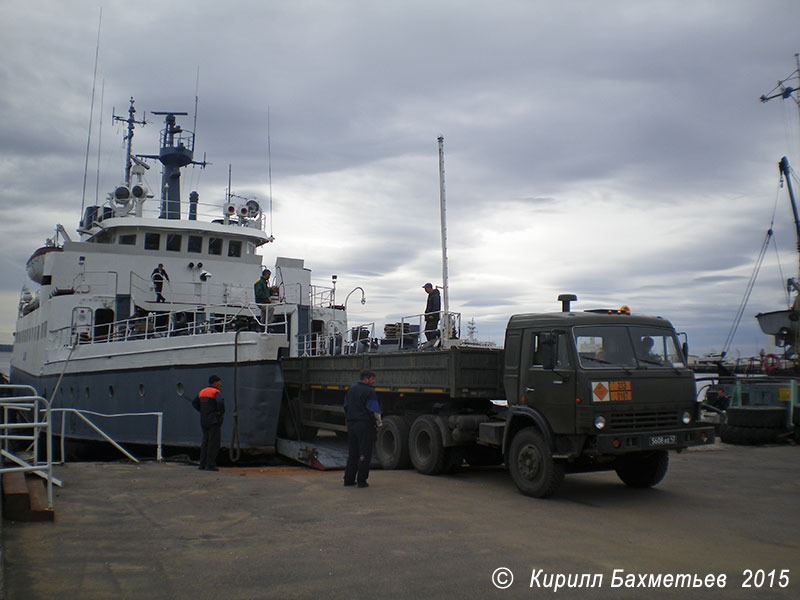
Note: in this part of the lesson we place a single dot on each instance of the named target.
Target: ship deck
(167, 530)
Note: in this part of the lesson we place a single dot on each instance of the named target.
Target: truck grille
(643, 420)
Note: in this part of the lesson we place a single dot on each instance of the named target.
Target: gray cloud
(615, 151)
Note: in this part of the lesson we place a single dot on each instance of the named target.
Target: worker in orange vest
(211, 406)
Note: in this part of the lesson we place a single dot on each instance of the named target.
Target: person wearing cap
(432, 312)
(211, 406)
(363, 417)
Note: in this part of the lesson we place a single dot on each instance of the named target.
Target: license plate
(663, 440)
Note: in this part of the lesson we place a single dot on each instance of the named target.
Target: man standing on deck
(363, 415)
(263, 293)
(211, 405)
(158, 276)
(432, 309)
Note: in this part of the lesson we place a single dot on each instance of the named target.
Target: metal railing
(407, 334)
(82, 414)
(32, 403)
(169, 324)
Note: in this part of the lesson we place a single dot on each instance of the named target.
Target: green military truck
(570, 392)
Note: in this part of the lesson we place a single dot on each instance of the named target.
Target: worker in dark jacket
(432, 312)
(211, 405)
(363, 416)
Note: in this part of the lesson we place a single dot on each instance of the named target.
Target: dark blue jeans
(360, 438)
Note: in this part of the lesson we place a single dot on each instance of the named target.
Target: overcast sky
(616, 150)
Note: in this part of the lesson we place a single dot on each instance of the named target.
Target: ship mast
(785, 91)
(131, 121)
(176, 152)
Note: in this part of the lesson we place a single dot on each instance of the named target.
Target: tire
(426, 447)
(643, 469)
(391, 447)
(750, 436)
(532, 466)
(757, 416)
(756, 436)
(731, 434)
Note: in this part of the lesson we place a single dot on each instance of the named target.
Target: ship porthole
(111, 391)
(141, 390)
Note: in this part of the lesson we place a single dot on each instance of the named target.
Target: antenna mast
(131, 121)
(91, 110)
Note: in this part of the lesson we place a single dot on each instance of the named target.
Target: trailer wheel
(391, 446)
(426, 446)
(642, 469)
(532, 466)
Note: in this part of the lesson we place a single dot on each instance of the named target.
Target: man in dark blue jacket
(211, 405)
(363, 415)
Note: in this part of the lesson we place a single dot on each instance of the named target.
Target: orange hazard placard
(600, 391)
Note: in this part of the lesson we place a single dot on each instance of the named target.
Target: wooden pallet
(25, 498)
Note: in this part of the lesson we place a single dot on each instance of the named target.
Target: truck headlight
(686, 417)
(599, 422)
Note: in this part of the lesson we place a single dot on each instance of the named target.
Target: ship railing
(16, 399)
(322, 297)
(205, 212)
(180, 293)
(409, 331)
(82, 415)
(222, 318)
(354, 341)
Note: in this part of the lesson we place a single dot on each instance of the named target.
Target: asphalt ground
(167, 530)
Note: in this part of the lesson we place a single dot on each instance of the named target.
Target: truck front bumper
(675, 439)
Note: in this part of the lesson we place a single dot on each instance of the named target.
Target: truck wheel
(391, 446)
(426, 447)
(643, 469)
(531, 463)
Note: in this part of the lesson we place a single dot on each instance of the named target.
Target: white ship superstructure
(95, 315)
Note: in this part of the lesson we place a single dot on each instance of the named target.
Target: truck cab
(595, 390)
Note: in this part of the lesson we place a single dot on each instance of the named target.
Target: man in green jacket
(264, 293)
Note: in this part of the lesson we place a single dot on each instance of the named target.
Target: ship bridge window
(104, 237)
(152, 241)
(215, 246)
(195, 243)
(234, 249)
(128, 239)
(174, 242)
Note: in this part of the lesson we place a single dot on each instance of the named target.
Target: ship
(98, 332)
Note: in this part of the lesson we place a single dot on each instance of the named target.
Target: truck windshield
(613, 346)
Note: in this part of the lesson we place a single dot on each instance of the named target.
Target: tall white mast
(446, 326)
